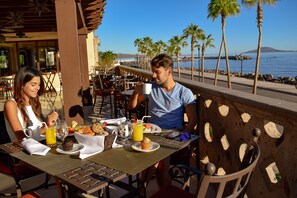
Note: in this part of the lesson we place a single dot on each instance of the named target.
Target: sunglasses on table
(184, 136)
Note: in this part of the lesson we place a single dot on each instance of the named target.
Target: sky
(126, 20)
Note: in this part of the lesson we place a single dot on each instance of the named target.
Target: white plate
(154, 129)
(137, 147)
(76, 149)
(42, 137)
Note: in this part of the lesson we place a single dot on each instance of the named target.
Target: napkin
(92, 144)
(114, 121)
(35, 147)
(116, 145)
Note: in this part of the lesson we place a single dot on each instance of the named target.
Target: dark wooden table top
(84, 174)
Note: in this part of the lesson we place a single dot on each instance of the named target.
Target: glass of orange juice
(138, 132)
(50, 136)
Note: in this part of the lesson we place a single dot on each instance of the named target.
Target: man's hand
(138, 88)
(136, 97)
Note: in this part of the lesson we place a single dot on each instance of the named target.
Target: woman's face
(32, 87)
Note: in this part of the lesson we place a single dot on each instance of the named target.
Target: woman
(24, 109)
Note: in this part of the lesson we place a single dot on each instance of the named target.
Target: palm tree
(199, 65)
(147, 48)
(252, 3)
(218, 63)
(176, 42)
(170, 50)
(206, 42)
(224, 8)
(137, 43)
(194, 32)
(160, 47)
(106, 60)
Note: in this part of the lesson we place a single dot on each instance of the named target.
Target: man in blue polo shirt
(167, 103)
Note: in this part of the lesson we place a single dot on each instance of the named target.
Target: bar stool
(103, 93)
(99, 90)
(120, 102)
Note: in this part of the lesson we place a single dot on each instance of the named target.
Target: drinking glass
(62, 129)
(138, 132)
(50, 136)
(124, 132)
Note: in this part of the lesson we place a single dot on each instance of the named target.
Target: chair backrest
(233, 184)
(130, 84)
(101, 82)
(97, 82)
(4, 137)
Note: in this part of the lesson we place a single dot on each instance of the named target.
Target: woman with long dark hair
(24, 109)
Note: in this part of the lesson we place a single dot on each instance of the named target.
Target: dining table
(127, 92)
(98, 171)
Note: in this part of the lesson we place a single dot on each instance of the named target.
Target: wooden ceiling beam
(87, 10)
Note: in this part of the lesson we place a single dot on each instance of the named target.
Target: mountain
(269, 49)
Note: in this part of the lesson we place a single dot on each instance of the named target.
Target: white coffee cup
(34, 131)
(146, 88)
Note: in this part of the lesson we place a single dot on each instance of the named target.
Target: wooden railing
(227, 118)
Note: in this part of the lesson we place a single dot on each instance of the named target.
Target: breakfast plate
(153, 129)
(137, 147)
(76, 148)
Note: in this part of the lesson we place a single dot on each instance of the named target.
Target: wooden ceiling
(21, 16)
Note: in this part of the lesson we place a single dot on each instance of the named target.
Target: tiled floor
(115, 191)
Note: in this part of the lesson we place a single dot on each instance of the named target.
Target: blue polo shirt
(167, 108)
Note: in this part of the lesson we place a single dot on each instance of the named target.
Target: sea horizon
(277, 64)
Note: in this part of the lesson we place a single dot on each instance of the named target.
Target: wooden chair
(6, 86)
(11, 167)
(130, 84)
(213, 185)
(138, 112)
(102, 91)
(120, 103)
(61, 85)
(189, 156)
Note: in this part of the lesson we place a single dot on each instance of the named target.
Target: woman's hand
(52, 118)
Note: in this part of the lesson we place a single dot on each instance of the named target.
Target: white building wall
(92, 48)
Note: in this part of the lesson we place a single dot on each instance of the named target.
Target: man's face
(160, 75)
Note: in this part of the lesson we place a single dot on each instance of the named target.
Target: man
(167, 103)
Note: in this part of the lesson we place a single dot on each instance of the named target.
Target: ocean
(279, 64)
